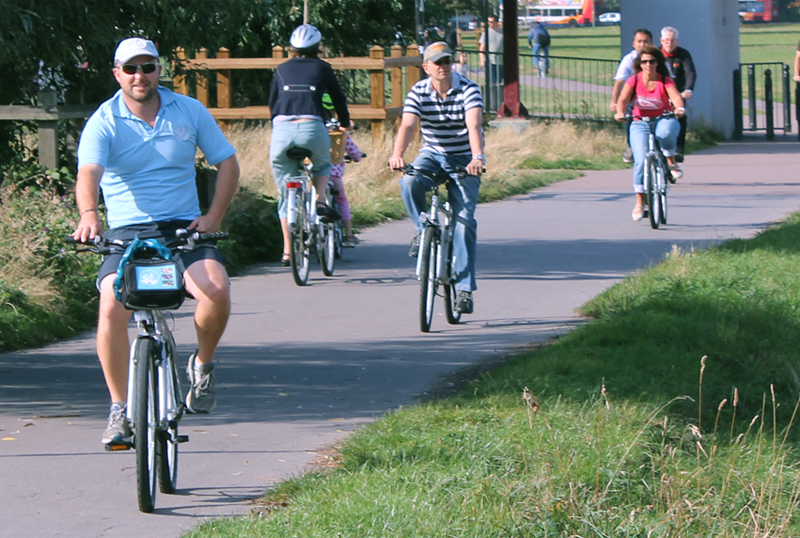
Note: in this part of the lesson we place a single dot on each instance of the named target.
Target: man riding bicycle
(139, 147)
(448, 108)
(295, 101)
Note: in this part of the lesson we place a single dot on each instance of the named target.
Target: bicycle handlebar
(184, 240)
(667, 114)
(411, 170)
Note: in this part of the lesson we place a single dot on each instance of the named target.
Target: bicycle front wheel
(653, 197)
(167, 456)
(662, 190)
(453, 317)
(300, 253)
(427, 277)
(146, 417)
(327, 252)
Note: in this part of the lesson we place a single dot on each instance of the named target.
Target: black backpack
(543, 38)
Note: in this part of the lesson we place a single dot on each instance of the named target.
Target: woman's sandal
(350, 241)
(638, 212)
(286, 260)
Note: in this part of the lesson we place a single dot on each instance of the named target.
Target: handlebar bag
(149, 279)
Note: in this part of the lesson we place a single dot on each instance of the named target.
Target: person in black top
(451, 36)
(295, 102)
(682, 71)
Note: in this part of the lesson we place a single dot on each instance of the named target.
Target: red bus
(758, 10)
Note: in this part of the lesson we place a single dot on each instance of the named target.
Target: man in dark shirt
(681, 69)
(539, 41)
(451, 36)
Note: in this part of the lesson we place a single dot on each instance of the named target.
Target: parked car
(610, 18)
(465, 22)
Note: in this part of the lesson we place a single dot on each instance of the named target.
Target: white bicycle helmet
(305, 36)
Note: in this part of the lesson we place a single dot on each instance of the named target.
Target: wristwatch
(481, 158)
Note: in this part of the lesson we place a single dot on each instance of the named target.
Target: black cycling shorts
(165, 230)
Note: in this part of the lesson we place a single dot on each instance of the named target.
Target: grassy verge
(671, 413)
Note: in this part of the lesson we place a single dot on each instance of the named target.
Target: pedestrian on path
(651, 92)
(539, 41)
(682, 71)
(641, 38)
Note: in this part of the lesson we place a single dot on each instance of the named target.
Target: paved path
(302, 367)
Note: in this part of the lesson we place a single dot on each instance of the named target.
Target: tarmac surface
(300, 368)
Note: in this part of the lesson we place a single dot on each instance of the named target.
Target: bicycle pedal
(118, 447)
(182, 439)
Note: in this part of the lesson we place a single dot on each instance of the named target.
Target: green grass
(670, 414)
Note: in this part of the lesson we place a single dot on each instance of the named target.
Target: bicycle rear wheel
(653, 197)
(299, 254)
(453, 317)
(167, 457)
(427, 277)
(146, 416)
(327, 250)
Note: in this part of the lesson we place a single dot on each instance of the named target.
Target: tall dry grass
(372, 187)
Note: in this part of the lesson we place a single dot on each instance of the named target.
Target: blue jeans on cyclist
(463, 197)
(541, 61)
(666, 130)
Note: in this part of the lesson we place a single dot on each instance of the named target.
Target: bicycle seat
(297, 153)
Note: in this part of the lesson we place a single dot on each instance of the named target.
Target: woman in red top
(653, 93)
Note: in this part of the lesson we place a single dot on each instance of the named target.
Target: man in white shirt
(641, 38)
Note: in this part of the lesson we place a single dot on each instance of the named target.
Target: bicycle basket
(337, 146)
(150, 281)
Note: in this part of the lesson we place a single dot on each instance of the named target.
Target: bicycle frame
(444, 234)
(152, 325)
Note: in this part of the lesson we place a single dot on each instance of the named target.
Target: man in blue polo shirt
(448, 108)
(139, 147)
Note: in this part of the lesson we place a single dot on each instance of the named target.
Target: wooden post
(48, 133)
(277, 51)
(202, 79)
(224, 90)
(377, 95)
(396, 76)
(460, 42)
(180, 81)
(412, 73)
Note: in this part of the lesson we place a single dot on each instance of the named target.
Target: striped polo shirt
(442, 121)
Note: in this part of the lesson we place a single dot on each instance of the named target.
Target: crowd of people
(139, 150)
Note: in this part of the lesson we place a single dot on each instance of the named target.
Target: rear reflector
(293, 184)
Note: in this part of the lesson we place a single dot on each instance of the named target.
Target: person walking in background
(681, 69)
(539, 41)
(641, 38)
(494, 69)
(462, 66)
(451, 36)
(796, 77)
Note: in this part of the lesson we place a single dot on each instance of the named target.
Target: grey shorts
(165, 230)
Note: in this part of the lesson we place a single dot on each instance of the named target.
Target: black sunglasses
(653, 61)
(130, 69)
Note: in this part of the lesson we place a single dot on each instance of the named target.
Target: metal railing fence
(762, 99)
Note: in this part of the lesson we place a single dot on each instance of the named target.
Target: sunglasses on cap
(131, 69)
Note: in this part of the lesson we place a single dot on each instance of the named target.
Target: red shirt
(650, 103)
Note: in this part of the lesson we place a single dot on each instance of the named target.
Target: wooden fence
(378, 111)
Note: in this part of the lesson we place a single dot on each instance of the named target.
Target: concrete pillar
(709, 30)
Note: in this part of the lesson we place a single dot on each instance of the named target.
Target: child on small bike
(350, 148)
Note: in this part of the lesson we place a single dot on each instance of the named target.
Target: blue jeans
(463, 197)
(311, 135)
(666, 130)
(537, 58)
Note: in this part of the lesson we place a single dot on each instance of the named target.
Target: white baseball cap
(133, 47)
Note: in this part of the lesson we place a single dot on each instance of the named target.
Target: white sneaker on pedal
(118, 431)
(201, 397)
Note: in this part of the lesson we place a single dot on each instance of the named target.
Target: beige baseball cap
(436, 51)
